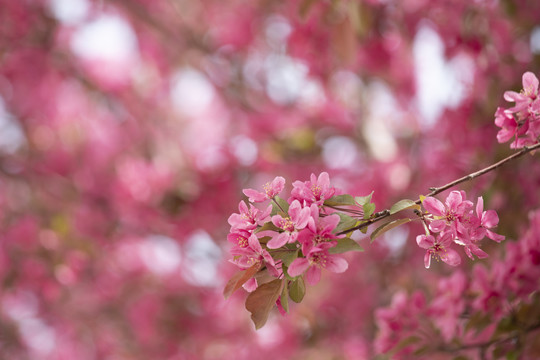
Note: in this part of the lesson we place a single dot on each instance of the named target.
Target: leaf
(262, 300)
(268, 226)
(403, 205)
(284, 299)
(279, 206)
(344, 245)
(368, 210)
(239, 279)
(347, 222)
(297, 290)
(337, 200)
(362, 200)
(388, 226)
(286, 256)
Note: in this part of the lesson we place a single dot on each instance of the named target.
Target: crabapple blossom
(317, 258)
(314, 191)
(298, 219)
(438, 247)
(271, 189)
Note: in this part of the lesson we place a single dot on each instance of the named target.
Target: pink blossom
(449, 214)
(317, 258)
(524, 98)
(314, 191)
(248, 218)
(252, 254)
(488, 220)
(270, 190)
(319, 229)
(438, 247)
(297, 220)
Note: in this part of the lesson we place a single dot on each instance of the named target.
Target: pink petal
(298, 266)
(530, 82)
(425, 242)
(250, 285)
(254, 243)
(454, 199)
(451, 257)
(336, 264)
(434, 206)
(313, 275)
(278, 241)
(254, 195)
(490, 219)
(278, 184)
(302, 219)
(480, 207)
(324, 180)
(427, 259)
(512, 96)
(437, 225)
(495, 237)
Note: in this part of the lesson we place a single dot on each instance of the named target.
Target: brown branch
(436, 190)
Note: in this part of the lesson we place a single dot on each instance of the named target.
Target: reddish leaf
(262, 300)
(239, 279)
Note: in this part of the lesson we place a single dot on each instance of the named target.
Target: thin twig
(436, 190)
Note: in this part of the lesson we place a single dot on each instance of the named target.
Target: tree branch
(436, 190)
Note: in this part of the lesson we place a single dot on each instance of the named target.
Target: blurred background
(129, 128)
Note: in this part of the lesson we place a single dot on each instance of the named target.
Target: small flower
(524, 98)
(253, 254)
(439, 248)
(449, 214)
(319, 229)
(248, 218)
(270, 190)
(487, 220)
(315, 191)
(317, 258)
(297, 220)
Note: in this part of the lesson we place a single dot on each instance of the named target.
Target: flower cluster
(289, 238)
(522, 121)
(455, 222)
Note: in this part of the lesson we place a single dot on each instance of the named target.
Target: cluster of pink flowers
(522, 121)
(300, 229)
(455, 222)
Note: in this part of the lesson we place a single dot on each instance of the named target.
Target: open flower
(298, 219)
(317, 258)
(438, 247)
(314, 191)
(487, 220)
(449, 214)
(253, 254)
(248, 218)
(271, 189)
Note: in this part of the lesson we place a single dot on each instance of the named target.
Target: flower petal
(313, 275)
(298, 266)
(434, 206)
(336, 264)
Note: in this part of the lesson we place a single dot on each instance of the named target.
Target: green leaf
(346, 222)
(262, 300)
(268, 226)
(362, 200)
(388, 226)
(344, 245)
(337, 200)
(279, 206)
(369, 209)
(239, 279)
(286, 256)
(403, 205)
(297, 289)
(284, 299)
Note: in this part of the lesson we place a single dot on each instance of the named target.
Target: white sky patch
(160, 254)
(108, 38)
(69, 11)
(535, 40)
(440, 83)
(11, 134)
(191, 92)
(339, 152)
(396, 239)
(202, 259)
(244, 149)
